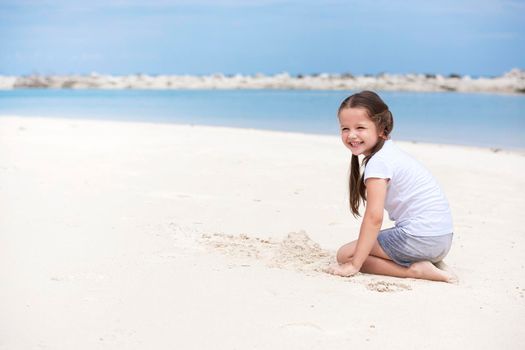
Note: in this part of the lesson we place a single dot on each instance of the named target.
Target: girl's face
(358, 132)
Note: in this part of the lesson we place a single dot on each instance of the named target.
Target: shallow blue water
(486, 120)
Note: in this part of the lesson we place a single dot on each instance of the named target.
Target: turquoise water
(486, 120)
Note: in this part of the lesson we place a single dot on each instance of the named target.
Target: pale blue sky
(476, 37)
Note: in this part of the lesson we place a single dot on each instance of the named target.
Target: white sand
(140, 236)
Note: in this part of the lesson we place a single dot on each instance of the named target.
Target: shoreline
(512, 82)
(502, 149)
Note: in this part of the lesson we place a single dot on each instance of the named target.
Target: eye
(344, 129)
(360, 127)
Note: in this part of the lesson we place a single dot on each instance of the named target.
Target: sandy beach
(123, 235)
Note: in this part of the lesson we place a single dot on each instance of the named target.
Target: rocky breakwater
(511, 82)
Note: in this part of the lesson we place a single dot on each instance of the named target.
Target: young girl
(394, 181)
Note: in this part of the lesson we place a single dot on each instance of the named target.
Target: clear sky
(475, 37)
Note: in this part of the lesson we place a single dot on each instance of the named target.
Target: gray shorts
(405, 249)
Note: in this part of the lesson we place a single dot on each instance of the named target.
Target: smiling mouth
(355, 144)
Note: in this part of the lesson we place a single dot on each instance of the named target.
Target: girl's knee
(345, 253)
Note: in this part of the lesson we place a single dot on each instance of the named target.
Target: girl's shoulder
(386, 153)
(389, 161)
(397, 161)
(391, 153)
(381, 164)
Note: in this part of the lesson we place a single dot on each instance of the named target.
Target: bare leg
(421, 269)
(379, 263)
(428, 271)
(346, 252)
(380, 266)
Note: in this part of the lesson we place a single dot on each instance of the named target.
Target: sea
(476, 119)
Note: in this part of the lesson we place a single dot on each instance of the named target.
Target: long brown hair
(379, 113)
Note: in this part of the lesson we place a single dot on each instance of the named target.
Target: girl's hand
(345, 270)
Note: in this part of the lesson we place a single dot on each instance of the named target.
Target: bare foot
(426, 270)
(442, 266)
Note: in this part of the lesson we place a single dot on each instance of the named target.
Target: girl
(394, 181)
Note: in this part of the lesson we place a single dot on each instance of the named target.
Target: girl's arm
(373, 219)
(376, 193)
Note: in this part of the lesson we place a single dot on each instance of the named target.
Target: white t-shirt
(414, 199)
